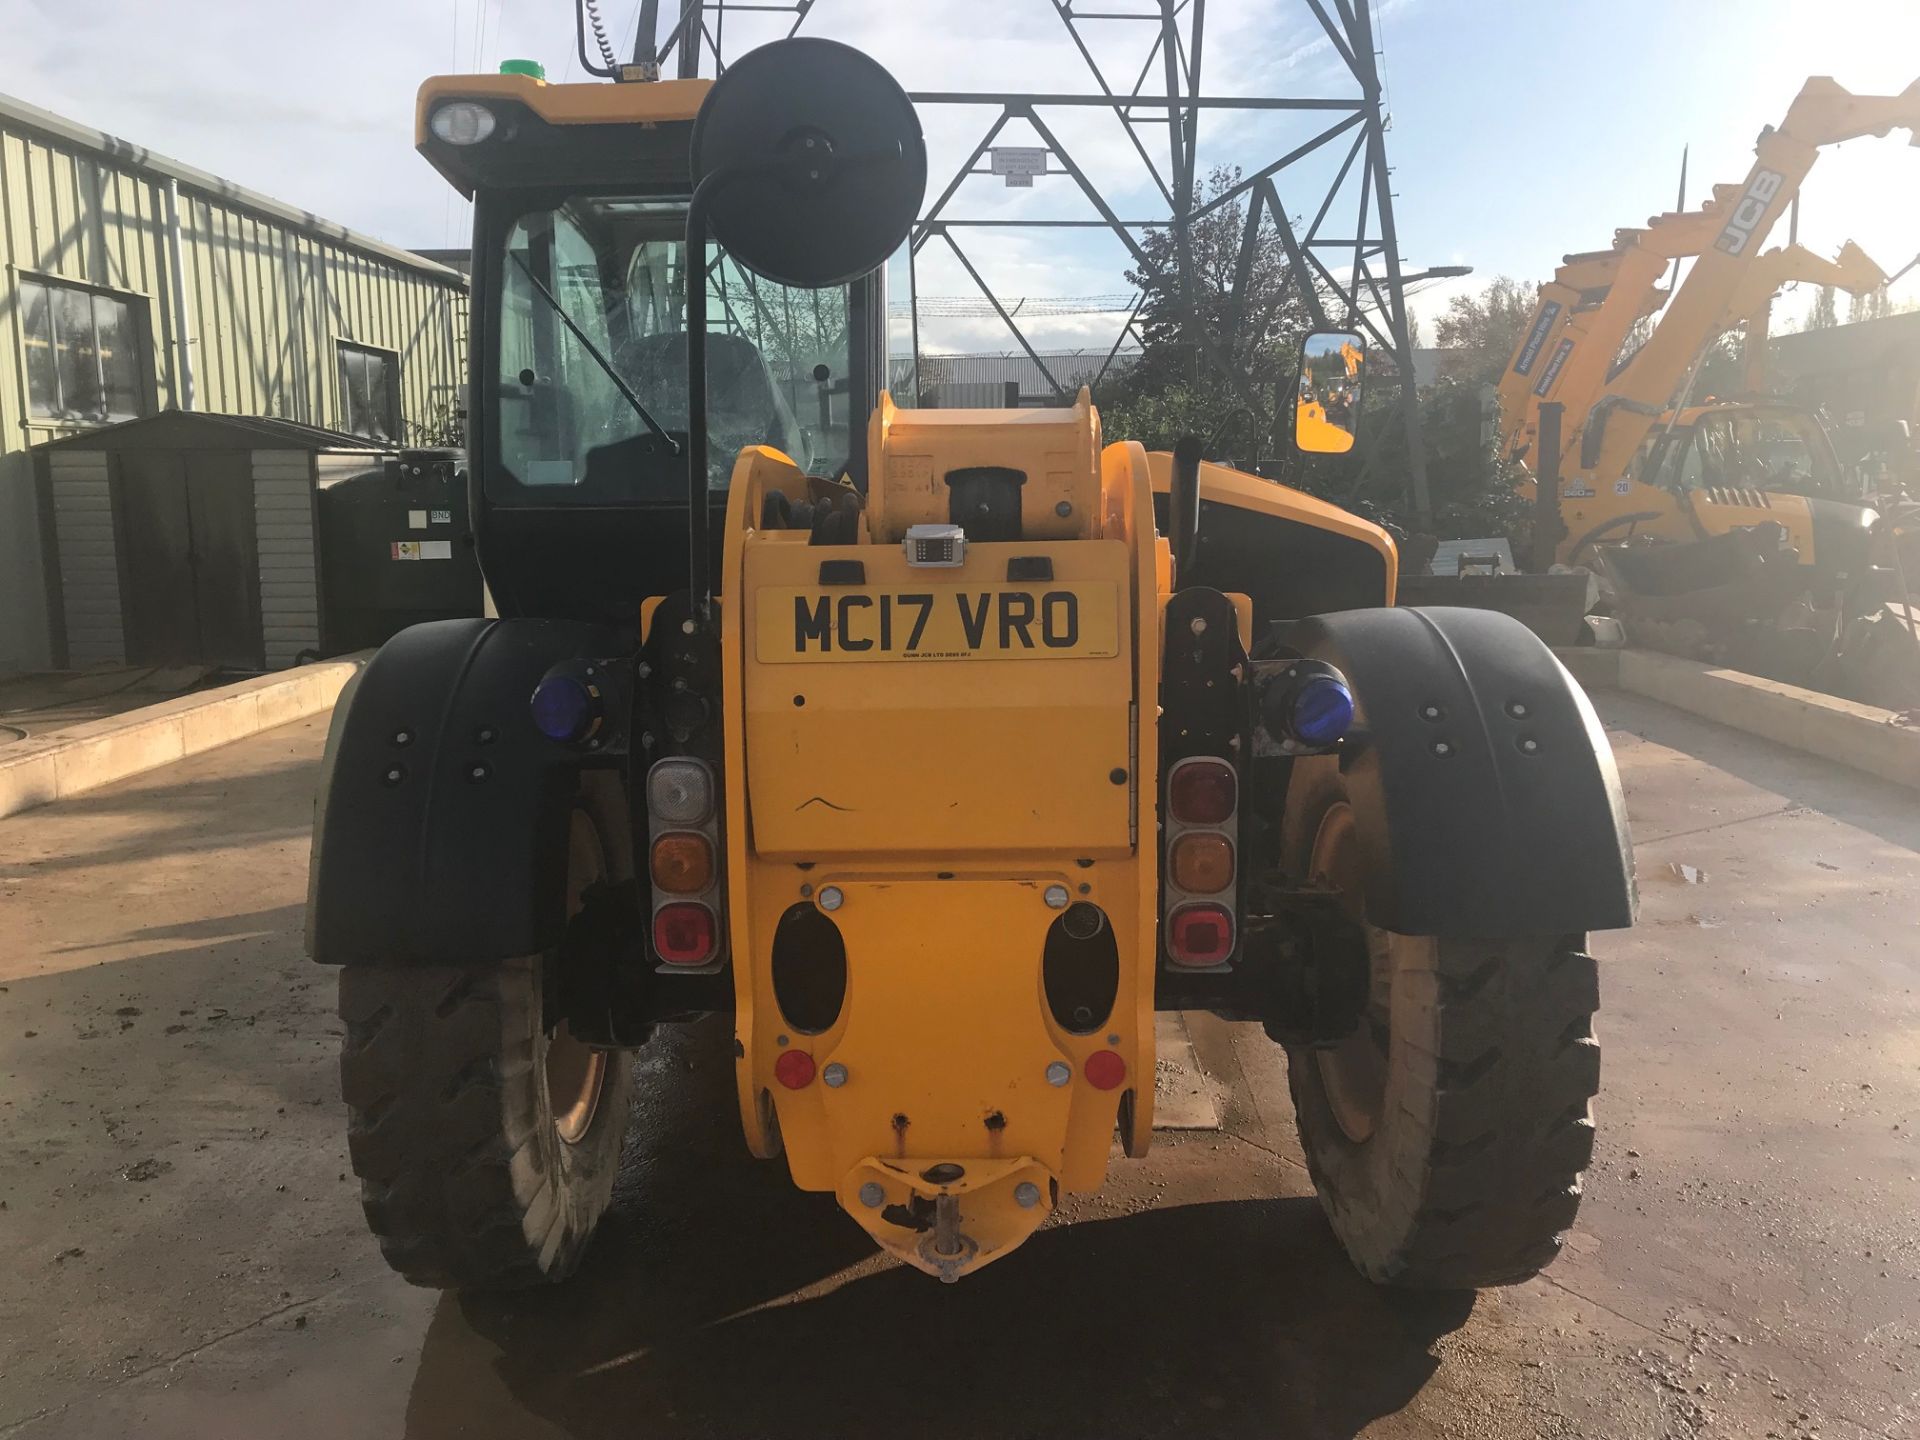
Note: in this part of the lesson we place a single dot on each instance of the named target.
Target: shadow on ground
(216, 815)
(1233, 1318)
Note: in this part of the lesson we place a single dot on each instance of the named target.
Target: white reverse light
(680, 792)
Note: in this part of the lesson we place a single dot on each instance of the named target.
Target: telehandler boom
(1628, 406)
(1752, 306)
(1583, 316)
(1568, 354)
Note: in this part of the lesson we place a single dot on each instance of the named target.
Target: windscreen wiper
(673, 445)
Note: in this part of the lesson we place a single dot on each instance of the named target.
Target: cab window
(615, 267)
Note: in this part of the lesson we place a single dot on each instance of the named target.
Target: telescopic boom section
(1583, 315)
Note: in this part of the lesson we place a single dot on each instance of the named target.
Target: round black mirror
(826, 161)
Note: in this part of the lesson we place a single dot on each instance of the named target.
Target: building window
(83, 352)
(369, 392)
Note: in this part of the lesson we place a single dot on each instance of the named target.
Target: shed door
(187, 542)
(156, 544)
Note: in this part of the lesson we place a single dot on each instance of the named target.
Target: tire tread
(444, 1107)
(1485, 1184)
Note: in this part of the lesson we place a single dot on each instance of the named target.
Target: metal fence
(949, 382)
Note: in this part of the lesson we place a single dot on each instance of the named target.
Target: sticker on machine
(938, 622)
(422, 550)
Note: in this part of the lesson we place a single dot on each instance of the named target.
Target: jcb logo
(1747, 215)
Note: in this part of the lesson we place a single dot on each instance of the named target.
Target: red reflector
(1104, 1070)
(1200, 935)
(683, 933)
(1202, 792)
(794, 1069)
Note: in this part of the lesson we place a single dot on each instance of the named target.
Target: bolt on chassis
(938, 749)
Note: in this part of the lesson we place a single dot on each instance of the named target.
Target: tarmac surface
(184, 1254)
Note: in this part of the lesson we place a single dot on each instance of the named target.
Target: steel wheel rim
(1353, 1073)
(576, 1073)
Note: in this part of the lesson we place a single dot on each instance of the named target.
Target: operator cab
(1770, 449)
(578, 411)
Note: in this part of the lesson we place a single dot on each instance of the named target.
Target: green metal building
(132, 284)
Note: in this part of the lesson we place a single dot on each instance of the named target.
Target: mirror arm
(699, 581)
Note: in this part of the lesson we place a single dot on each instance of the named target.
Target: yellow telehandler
(1729, 527)
(936, 750)
(1570, 352)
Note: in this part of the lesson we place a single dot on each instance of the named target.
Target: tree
(1871, 306)
(1185, 339)
(1480, 332)
(1822, 316)
(1176, 387)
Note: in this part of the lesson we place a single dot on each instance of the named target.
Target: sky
(1520, 129)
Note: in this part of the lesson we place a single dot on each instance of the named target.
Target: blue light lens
(1322, 710)
(563, 709)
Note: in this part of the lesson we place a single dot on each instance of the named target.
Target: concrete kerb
(45, 768)
(1860, 736)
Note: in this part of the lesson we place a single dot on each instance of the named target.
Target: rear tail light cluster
(683, 862)
(1203, 805)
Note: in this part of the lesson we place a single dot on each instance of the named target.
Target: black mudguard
(440, 824)
(1468, 830)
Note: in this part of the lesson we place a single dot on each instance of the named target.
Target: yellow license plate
(939, 622)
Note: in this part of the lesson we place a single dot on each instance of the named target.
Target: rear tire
(486, 1141)
(1447, 1133)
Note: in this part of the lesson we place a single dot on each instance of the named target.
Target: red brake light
(1200, 935)
(1203, 792)
(683, 933)
(794, 1069)
(1104, 1070)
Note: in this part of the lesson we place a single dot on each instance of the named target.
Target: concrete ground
(42, 701)
(184, 1253)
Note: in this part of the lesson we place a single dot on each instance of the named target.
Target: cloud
(313, 104)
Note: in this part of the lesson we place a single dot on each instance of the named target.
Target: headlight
(461, 122)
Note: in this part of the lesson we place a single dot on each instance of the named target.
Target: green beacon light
(524, 67)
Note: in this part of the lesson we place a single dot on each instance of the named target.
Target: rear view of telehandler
(937, 761)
